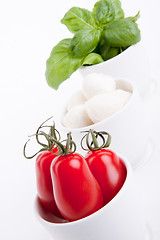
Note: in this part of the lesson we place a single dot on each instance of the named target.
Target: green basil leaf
(92, 58)
(135, 18)
(103, 12)
(60, 65)
(106, 51)
(77, 19)
(121, 33)
(84, 42)
(119, 13)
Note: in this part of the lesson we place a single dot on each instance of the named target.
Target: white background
(28, 31)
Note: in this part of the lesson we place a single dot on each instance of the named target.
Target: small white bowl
(121, 218)
(131, 64)
(127, 127)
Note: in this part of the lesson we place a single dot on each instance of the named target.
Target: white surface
(29, 30)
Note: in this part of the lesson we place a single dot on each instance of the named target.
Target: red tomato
(44, 182)
(77, 193)
(108, 170)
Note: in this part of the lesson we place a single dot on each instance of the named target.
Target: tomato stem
(70, 145)
(50, 138)
(53, 140)
(93, 144)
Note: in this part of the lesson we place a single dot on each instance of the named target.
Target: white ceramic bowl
(131, 64)
(127, 127)
(121, 218)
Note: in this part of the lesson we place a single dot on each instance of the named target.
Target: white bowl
(127, 127)
(121, 218)
(131, 64)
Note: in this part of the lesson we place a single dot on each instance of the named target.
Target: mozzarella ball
(103, 106)
(96, 83)
(76, 118)
(123, 95)
(77, 98)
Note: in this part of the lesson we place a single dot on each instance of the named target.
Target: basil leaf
(103, 12)
(106, 51)
(119, 13)
(84, 42)
(92, 58)
(135, 18)
(77, 19)
(60, 65)
(121, 33)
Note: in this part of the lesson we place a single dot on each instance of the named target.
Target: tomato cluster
(72, 186)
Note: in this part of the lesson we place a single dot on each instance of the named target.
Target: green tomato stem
(93, 144)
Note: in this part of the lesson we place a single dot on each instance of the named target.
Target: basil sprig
(60, 64)
(84, 42)
(99, 35)
(121, 33)
(77, 19)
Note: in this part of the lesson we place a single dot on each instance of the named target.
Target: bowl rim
(125, 52)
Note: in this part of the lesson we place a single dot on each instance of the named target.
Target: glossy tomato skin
(77, 193)
(44, 182)
(109, 171)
